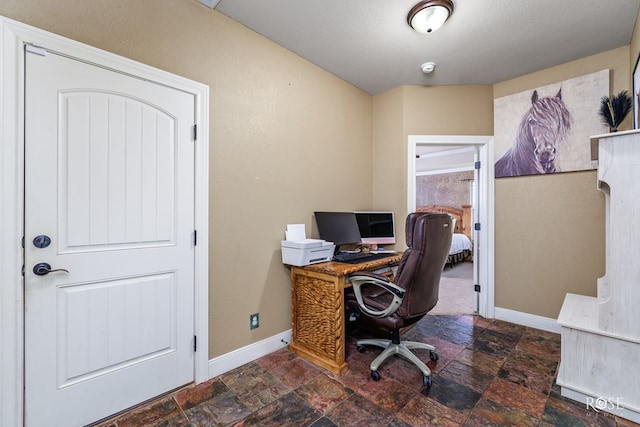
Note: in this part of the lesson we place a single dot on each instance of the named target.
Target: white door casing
(83, 253)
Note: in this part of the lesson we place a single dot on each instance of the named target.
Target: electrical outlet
(254, 321)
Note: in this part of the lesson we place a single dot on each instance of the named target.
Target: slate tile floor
(489, 373)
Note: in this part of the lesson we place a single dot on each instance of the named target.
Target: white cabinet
(600, 360)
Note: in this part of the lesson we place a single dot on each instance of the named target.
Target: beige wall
(550, 229)
(286, 138)
(389, 179)
(420, 110)
(555, 223)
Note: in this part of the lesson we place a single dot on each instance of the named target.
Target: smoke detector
(428, 67)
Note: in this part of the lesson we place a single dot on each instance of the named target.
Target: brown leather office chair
(389, 307)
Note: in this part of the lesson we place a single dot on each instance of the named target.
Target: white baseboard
(526, 319)
(221, 364)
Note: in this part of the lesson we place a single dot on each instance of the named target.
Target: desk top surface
(335, 268)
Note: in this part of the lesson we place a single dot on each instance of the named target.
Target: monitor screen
(376, 228)
(340, 228)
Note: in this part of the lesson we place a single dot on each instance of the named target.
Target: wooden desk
(317, 309)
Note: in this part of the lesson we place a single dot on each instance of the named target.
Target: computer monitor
(340, 228)
(376, 228)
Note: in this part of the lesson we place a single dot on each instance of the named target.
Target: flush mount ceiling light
(428, 67)
(428, 16)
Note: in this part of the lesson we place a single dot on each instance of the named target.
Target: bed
(461, 246)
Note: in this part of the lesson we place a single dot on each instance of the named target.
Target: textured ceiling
(369, 44)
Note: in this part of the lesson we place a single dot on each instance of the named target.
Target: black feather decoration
(613, 110)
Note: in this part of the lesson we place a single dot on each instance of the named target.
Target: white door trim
(486, 204)
(13, 36)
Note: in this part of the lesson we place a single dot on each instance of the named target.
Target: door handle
(43, 268)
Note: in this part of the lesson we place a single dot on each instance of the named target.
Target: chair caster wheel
(426, 381)
(361, 348)
(433, 356)
(375, 375)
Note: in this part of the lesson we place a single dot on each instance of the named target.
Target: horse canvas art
(541, 133)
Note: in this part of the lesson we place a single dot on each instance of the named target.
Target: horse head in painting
(547, 123)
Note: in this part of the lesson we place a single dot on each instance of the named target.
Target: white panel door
(109, 180)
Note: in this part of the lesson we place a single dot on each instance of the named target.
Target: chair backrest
(429, 241)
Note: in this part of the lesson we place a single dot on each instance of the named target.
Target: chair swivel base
(402, 349)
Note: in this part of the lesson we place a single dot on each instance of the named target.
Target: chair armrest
(382, 282)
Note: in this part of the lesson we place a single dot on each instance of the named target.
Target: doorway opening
(464, 159)
(445, 182)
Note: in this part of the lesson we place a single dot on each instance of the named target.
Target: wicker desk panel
(317, 310)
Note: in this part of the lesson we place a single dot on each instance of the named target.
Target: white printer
(299, 251)
(307, 251)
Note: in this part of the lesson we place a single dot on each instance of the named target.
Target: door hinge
(476, 288)
(38, 50)
(195, 237)
(195, 132)
(23, 271)
(476, 165)
(476, 226)
(195, 343)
